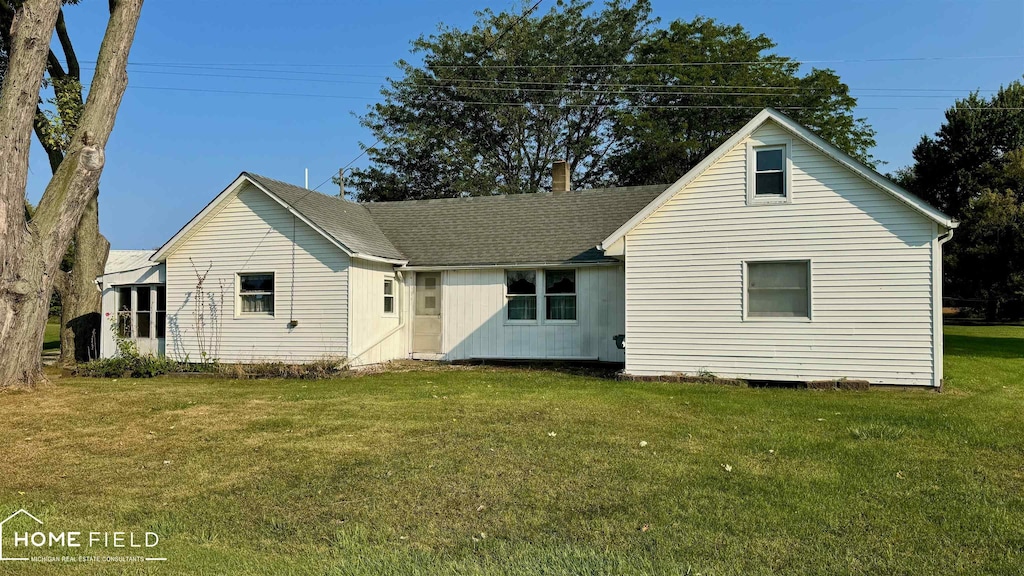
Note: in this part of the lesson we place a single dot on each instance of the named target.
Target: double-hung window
(768, 178)
(779, 289)
(521, 292)
(389, 295)
(560, 294)
(526, 291)
(256, 294)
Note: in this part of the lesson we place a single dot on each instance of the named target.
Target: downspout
(942, 240)
(401, 324)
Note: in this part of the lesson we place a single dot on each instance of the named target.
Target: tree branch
(75, 182)
(69, 51)
(29, 35)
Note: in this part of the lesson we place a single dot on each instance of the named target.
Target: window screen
(778, 289)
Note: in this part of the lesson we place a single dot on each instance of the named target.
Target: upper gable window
(768, 178)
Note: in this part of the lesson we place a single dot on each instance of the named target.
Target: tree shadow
(981, 346)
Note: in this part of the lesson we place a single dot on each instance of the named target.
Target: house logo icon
(8, 519)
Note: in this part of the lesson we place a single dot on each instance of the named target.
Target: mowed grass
(51, 338)
(503, 471)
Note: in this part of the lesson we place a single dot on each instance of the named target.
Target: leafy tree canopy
(973, 169)
(603, 88)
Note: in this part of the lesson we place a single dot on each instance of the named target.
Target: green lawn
(533, 472)
(51, 338)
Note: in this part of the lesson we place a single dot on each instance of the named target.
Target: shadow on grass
(980, 346)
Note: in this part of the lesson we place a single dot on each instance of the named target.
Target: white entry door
(426, 324)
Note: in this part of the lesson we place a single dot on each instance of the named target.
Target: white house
(777, 258)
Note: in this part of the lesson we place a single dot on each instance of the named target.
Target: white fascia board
(810, 138)
(373, 258)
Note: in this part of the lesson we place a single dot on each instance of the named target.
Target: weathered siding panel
(253, 233)
(474, 318)
(375, 336)
(871, 278)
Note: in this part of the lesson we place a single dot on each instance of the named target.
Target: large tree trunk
(80, 299)
(31, 255)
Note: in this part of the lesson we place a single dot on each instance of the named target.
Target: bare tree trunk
(81, 300)
(31, 255)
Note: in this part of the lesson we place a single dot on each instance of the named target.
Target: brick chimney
(561, 179)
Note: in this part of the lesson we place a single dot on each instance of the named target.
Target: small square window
(256, 294)
(778, 289)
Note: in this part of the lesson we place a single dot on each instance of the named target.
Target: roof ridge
(540, 194)
(300, 188)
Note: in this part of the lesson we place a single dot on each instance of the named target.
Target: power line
(526, 104)
(469, 83)
(777, 61)
(666, 89)
(487, 48)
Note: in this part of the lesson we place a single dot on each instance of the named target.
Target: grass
(533, 472)
(51, 338)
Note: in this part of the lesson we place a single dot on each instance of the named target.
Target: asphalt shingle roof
(348, 222)
(563, 227)
(516, 229)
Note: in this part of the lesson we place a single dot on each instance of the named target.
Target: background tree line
(628, 101)
(623, 100)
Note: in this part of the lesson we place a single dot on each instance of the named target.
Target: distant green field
(516, 471)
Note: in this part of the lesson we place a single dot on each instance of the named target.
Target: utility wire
(527, 104)
(477, 84)
(524, 16)
(779, 60)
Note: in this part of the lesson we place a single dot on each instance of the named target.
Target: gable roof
(347, 222)
(851, 163)
(540, 228)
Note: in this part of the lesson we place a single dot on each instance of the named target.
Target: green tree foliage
(973, 169)
(683, 104)
(487, 112)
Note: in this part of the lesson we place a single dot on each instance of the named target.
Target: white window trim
(541, 295)
(394, 296)
(538, 280)
(544, 298)
(239, 315)
(810, 290)
(786, 145)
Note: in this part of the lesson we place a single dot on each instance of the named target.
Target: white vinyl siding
(474, 324)
(871, 279)
(252, 233)
(374, 333)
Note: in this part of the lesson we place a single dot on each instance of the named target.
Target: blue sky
(173, 150)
